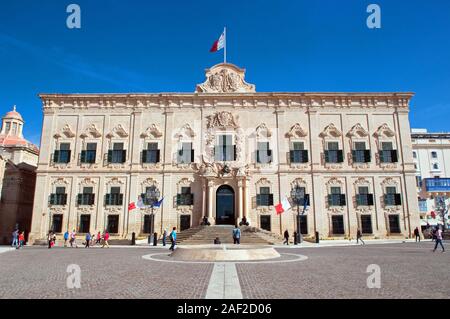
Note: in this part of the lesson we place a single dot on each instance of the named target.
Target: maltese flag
(283, 206)
(219, 44)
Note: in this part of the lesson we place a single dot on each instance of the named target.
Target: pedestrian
(88, 240)
(15, 238)
(236, 235)
(286, 237)
(105, 239)
(359, 237)
(50, 240)
(433, 234)
(164, 237)
(417, 234)
(99, 238)
(439, 240)
(66, 238)
(73, 239)
(22, 239)
(173, 238)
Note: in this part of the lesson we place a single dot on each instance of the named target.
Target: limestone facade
(261, 145)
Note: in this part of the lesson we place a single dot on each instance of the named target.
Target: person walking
(417, 234)
(73, 239)
(164, 237)
(236, 235)
(173, 238)
(50, 240)
(88, 240)
(99, 238)
(105, 239)
(66, 238)
(439, 240)
(359, 237)
(15, 238)
(286, 237)
(22, 239)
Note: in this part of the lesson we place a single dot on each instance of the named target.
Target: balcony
(61, 156)
(436, 184)
(225, 153)
(364, 199)
(85, 199)
(264, 200)
(150, 156)
(336, 200)
(334, 156)
(185, 199)
(298, 156)
(388, 156)
(114, 199)
(361, 156)
(58, 199)
(117, 156)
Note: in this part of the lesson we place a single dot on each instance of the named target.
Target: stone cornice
(242, 100)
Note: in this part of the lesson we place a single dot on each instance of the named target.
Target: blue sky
(163, 46)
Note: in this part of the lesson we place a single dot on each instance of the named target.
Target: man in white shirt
(439, 240)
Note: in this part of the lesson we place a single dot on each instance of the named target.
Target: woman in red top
(22, 239)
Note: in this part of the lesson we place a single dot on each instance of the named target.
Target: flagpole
(225, 48)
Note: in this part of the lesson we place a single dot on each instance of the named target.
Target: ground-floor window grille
(57, 223)
(113, 224)
(366, 224)
(394, 224)
(338, 225)
(85, 224)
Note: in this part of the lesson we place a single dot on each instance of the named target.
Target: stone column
(248, 201)
(240, 201)
(204, 186)
(210, 201)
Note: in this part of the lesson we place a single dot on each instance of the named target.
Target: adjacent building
(18, 162)
(226, 152)
(431, 155)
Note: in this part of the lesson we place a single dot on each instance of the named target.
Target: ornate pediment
(384, 130)
(66, 131)
(119, 131)
(357, 131)
(185, 131)
(331, 131)
(263, 131)
(153, 130)
(225, 78)
(296, 131)
(222, 120)
(91, 130)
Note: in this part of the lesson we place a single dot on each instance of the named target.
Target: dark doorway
(225, 206)
(366, 224)
(394, 224)
(57, 223)
(265, 222)
(303, 223)
(113, 224)
(185, 222)
(85, 223)
(338, 225)
(148, 224)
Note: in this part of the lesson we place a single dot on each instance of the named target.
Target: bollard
(133, 238)
(155, 239)
(317, 237)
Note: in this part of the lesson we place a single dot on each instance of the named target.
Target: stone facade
(259, 131)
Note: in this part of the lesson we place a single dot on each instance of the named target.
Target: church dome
(13, 115)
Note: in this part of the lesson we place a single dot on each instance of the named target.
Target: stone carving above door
(222, 120)
(225, 78)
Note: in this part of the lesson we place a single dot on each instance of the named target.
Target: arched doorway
(225, 205)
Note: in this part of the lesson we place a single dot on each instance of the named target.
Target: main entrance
(225, 206)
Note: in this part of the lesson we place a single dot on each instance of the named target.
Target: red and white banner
(219, 44)
(283, 206)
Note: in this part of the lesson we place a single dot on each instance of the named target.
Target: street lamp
(152, 195)
(298, 198)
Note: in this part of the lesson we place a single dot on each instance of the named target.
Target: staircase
(206, 234)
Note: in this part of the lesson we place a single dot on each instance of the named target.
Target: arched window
(435, 166)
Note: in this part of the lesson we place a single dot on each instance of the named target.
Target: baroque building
(227, 152)
(18, 161)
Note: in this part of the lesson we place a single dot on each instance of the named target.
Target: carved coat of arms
(225, 78)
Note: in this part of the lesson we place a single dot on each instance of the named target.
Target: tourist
(22, 239)
(164, 237)
(359, 237)
(15, 238)
(217, 241)
(50, 240)
(286, 237)
(99, 238)
(105, 239)
(73, 239)
(439, 239)
(236, 235)
(88, 240)
(66, 238)
(173, 238)
(244, 222)
(417, 234)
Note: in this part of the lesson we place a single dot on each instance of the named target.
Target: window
(436, 166)
(387, 153)
(333, 154)
(63, 154)
(186, 154)
(299, 196)
(151, 154)
(303, 223)
(87, 197)
(394, 224)
(89, 155)
(423, 206)
(113, 224)
(363, 198)
(433, 154)
(366, 224)
(186, 197)
(298, 154)
(419, 181)
(59, 197)
(14, 129)
(335, 198)
(337, 225)
(391, 198)
(414, 155)
(85, 224)
(265, 222)
(117, 154)
(263, 154)
(114, 198)
(264, 198)
(225, 150)
(360, 154)
(7, 127)
(57, 223)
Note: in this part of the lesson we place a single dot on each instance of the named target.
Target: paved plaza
(408, 270)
